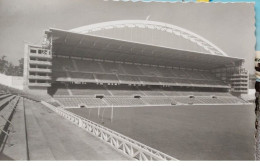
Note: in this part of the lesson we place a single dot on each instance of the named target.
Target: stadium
(133, 90)
(105, 74)
(102, 71)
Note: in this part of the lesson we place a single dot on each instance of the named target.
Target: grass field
(220, 132)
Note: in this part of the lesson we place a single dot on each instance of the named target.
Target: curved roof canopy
(89, 46)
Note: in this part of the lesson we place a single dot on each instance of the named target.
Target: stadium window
(39, 51)
(41, 81)
(33, 51)
(42, 74)
(100, 96)
(32, 66)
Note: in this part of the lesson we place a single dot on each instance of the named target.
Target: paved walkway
(50, 137)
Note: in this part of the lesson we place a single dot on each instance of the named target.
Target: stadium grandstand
(123, 87)
(77, 68)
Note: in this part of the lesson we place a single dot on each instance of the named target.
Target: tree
(3, 64)
(20, 67)
(9, 69)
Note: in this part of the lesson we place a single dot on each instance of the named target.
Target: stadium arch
(160, 26)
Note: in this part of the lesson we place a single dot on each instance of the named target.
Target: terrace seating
(68, 102)
(203, 93)
(59, 76)
(209, 76)
(158, 100)
(78, 90)
(180, 73)
(111, 67)
(71, 102)
(132, 69)
(88, 66)
(222, 94)
(195, 75)
(217, 100)
(183, 81)
(112, 101)
(165, 72)
(209, 100)
(106, 78)
(93, 89)
(75, 102)
(127, 79)
(111, 72)
(149, 80)
(82, 77)
(196, 101)
(183, 100)
(124, 91)
(171, 93)
(149, 71)
(186, 100)
(229, 100)
(59, 90)
(151, 92)
(88, 90)
(62, 91)
(5, 101)
(4, 96)
(199, 82)
(59, 64)
(185, 93)
(166, 81)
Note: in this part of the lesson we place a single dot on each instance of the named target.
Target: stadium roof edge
(157, 25)
(68, 34)
(66, 31)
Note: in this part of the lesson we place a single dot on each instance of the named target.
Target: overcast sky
(230, 27)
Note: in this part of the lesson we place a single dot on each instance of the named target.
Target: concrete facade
(37, 68)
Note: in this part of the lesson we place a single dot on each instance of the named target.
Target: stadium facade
(79, 56)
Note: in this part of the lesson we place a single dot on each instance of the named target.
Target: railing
(39, 77)
(7, 121)
(121, 143)
(238, 78)
(239, 83)
(40, 84)
(240, 74)
(40, 70)
(4, 132)
(40, 62)
(47, 56)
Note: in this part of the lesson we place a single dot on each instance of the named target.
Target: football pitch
(190, 132)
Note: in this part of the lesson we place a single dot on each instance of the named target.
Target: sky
(24, 21)
(257, 10)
